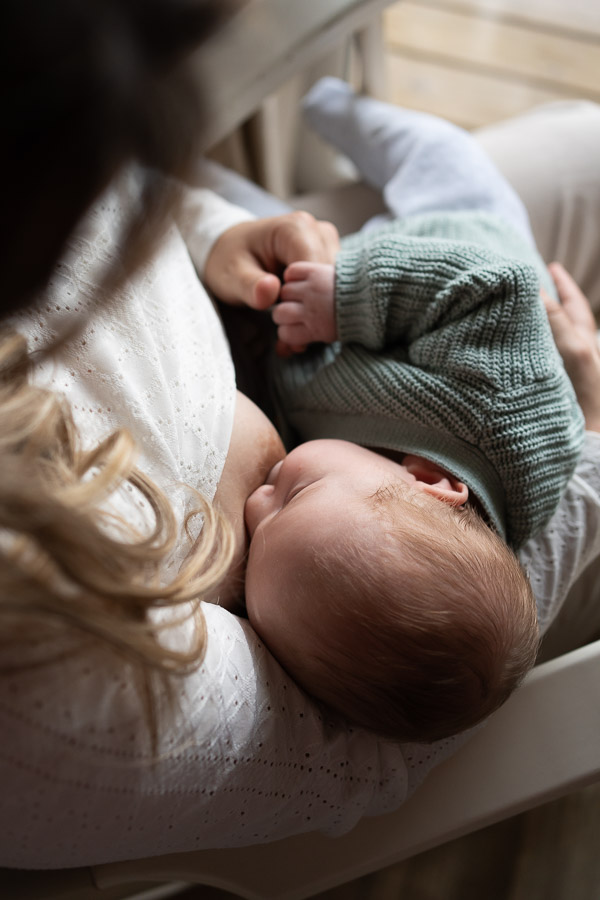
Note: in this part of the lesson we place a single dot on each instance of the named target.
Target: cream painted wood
(547, 60)
(369, 43)
(266, 43)
(341, 38)
(284, 154)
(581, 16)
(467, 98)
(524, 756)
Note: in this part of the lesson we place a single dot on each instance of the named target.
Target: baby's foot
(327, 105)
(357, 125)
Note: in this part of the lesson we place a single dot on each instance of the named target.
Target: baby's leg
(419, 162)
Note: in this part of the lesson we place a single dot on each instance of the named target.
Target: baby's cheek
(258, 506)
(265, 601)
(257, 584)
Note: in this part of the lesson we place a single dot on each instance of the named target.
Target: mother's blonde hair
(97, 85)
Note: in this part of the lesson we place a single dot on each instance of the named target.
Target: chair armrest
(270, 41)
(527, 754)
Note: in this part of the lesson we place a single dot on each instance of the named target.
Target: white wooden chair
(526, 755)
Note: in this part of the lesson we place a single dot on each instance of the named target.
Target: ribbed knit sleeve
(412, 277)
(396, 289)
(446, 352)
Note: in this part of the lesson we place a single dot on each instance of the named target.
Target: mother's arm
(571, 541)
(244, 756)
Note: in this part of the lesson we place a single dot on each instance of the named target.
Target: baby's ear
(433, 479)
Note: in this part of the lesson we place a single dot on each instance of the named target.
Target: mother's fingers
(573, 300)
(571, 342)
(331, 241)
(574, 332)
(299, 236)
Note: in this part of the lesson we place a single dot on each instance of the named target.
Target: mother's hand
(574, 330)
(245, 262)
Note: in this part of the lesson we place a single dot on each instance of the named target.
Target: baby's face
(314, 495)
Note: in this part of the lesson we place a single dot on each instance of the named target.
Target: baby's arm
(306, 311)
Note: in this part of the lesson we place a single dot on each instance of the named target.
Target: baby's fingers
(285, 351)
(298, 271)
(293, 290)
(296, 335)
(287, 313)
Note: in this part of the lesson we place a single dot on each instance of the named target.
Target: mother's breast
(254, 449)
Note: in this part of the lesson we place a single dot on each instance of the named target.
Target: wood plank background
(550, 853)
(478, 61)
(475, 62)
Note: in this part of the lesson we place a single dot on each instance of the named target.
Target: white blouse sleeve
(202, 218)
(245, 757)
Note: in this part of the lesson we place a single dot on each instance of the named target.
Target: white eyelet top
(244, 756)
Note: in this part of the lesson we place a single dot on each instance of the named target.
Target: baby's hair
(430, 623)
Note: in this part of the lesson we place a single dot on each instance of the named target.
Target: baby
(406, 614)
(441, 429)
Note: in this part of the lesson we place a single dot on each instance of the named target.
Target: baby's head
(400, 611)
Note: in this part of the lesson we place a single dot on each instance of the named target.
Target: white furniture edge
(524, 756)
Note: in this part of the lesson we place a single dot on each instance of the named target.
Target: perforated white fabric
(244, 756)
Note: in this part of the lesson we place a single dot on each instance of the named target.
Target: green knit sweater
(445, 351)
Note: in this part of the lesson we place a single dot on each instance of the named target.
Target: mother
(135, 720)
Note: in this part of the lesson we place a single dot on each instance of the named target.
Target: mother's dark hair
(89, 85)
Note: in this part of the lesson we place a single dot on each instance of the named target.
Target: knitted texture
(445, 351)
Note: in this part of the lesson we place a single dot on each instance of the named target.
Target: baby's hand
(306, 311)
(243, 266)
